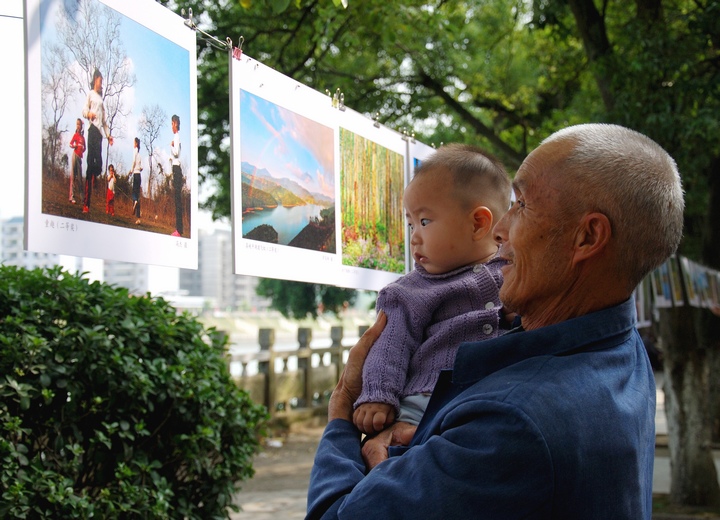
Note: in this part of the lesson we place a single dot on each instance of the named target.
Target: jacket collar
(474, 361)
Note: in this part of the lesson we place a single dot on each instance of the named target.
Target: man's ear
(592, 237)
(482, 222)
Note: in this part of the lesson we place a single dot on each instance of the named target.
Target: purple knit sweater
(428, 316)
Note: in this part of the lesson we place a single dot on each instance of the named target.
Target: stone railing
(292, 382)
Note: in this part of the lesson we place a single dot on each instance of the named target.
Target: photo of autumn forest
(371, 191)
(287, 176)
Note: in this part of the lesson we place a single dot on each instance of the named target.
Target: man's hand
(350, 385)
(375, 450)
(373, 417)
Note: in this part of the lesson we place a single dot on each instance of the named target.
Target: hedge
(114, 405)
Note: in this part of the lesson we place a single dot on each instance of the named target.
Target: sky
(287, 144)
(12, 136)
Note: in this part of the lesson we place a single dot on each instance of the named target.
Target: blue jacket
(555, 423)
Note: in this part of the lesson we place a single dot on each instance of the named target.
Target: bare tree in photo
(152, 120)
(91, 33)
(56, 90)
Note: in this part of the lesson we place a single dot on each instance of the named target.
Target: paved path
(282, 473)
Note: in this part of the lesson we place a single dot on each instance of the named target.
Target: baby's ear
(482, 221)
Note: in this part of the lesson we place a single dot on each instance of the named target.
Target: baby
(451, 204)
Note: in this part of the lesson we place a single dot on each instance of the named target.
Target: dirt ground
(282, 474)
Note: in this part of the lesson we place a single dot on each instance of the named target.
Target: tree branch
(512, 156)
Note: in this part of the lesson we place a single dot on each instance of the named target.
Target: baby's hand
(508, 317)
(373, 417)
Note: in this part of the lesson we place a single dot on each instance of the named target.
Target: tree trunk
(694, 479)
(591, 26)
(710, 330)
(710, 325)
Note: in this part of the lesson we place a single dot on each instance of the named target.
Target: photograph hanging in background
(643, 303)
(284, 180)
(372, 180)
(287, 177)
(417, 154)
(675, 282)
(112, 131)
(688, 272)
(662, 291)
(714, 289)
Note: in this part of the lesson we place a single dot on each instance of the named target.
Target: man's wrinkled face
(535, 239)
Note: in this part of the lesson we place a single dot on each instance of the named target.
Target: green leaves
(107, 402)
(300, 300)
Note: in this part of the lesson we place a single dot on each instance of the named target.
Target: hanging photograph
(701, 279)
(688, 272)
(714, 277)
(112, 131)
(675, 283)
(283, 176)
(287, 177)
(643, 303)
(418, 153)
(662, 292)
(372, 180)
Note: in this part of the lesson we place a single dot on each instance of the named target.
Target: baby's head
(452, 203)
(478, 178)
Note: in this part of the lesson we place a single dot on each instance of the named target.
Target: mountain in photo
(260, 189)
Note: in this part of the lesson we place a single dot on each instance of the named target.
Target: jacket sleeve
(468, 469)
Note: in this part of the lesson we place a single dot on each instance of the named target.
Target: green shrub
(114, 406)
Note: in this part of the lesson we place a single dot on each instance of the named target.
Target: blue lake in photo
(288, 222)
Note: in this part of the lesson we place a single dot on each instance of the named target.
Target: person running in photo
(452, 296)
(94, 111)
(136, 179)
(110, 201)
(77, 143)
(177, 175)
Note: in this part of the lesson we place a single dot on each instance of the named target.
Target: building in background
(214, 278)
(213, 286)
(134, 277)
(11, 247)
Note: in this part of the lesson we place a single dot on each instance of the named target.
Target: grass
(157, 216)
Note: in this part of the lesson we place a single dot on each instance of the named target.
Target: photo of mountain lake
(288, 178)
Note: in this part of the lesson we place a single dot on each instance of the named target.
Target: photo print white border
(166, 64)
(252, 81)
(364, 127)
(291, 111)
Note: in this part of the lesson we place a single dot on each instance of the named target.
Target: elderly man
(554, 420)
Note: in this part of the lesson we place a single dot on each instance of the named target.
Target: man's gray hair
(634, 182)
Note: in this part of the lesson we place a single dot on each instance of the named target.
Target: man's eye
(520, 203)
(424, 221)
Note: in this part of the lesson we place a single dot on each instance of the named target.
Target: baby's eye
(410, 226)
(424, 221)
